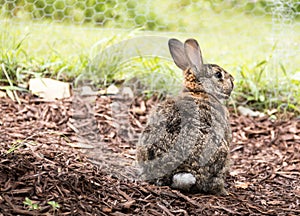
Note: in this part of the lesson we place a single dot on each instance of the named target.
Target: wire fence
(179, 15)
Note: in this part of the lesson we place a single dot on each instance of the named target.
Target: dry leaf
(106, 210)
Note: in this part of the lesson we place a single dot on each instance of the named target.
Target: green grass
(262, 61)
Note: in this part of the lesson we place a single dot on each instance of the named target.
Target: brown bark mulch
(57, 151)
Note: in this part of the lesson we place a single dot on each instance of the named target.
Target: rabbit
(185, 143)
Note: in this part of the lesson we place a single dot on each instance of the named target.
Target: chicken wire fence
(164, 15)
(216, 18)
(231, 33)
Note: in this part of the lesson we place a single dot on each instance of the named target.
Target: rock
(87, 91)
(127, 92)
(49, 89)
(249, 112)
(2, 94)
(112, 89)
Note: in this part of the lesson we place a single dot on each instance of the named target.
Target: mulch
(59, 151)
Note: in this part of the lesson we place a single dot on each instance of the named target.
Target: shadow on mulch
(40, 159)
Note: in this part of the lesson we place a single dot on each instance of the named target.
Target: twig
(164, 208)
(193, 202)
(226, 209)
(181, 211)
(284, 174)
(128, 198)
(293, 210)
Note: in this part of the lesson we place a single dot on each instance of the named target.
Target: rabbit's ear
(194, 55)
(176, 48)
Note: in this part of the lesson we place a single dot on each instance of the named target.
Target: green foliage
(152, 75)
(54, 205)
(112, 65)
(10, 66)
(16, 145)
(264, 91)
(99, 69)
(31, 205)
(17, 65)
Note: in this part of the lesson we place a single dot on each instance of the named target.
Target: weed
(152, 75)
(54, 205)
(31, 205)
(10, 89)
(256, 89)
(16, 145)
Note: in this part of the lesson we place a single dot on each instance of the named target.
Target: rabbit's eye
(218, 75)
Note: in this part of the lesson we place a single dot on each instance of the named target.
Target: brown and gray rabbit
(185, 143)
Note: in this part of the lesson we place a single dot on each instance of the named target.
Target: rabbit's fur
(185, 143)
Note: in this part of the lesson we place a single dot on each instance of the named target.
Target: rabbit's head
(200, 77)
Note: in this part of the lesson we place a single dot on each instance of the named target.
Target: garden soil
(62, 151)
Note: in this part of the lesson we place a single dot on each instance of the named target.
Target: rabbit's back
(186, 134)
